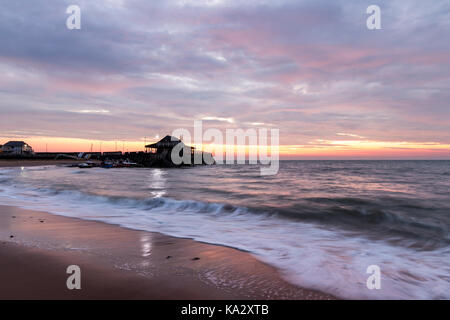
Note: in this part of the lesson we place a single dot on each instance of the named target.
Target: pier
(156, 155)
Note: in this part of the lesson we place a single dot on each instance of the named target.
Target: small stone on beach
(168, 257)
(196, 258)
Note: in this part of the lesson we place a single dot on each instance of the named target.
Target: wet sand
(119, 263)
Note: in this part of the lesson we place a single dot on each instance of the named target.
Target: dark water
(322, 223)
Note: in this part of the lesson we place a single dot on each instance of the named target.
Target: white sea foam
(309, 255)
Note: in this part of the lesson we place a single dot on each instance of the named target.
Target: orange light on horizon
(58, 144)
(317, 148)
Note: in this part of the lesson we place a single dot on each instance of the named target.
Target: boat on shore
(118, 164)
(107, 164)
(87, 165)
(128, 164)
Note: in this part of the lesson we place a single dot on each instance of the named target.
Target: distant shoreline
(35, 162)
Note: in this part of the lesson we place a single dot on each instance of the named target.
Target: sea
(322, 224)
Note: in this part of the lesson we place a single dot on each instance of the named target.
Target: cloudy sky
(142, 68)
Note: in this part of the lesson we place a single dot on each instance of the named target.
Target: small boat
(107, 164)
(127, 163)
(85, 165)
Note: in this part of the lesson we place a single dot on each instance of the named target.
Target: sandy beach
(119, 263)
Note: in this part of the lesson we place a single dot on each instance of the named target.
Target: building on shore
(166, 144)
(160, 153)
(17, 148)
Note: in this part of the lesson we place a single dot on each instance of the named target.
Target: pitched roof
(14, 144)
(166, 142)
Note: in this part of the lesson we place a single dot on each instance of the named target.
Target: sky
(139, 69)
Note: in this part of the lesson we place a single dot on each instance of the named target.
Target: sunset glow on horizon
(137, 70)
(319, 149)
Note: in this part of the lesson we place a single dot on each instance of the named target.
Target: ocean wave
(378, 221)
(321, 243)
(168, 205)
(307, 255)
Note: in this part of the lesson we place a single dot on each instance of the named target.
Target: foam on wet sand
(119, 263)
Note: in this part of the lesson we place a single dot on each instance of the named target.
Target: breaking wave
(324, 243)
